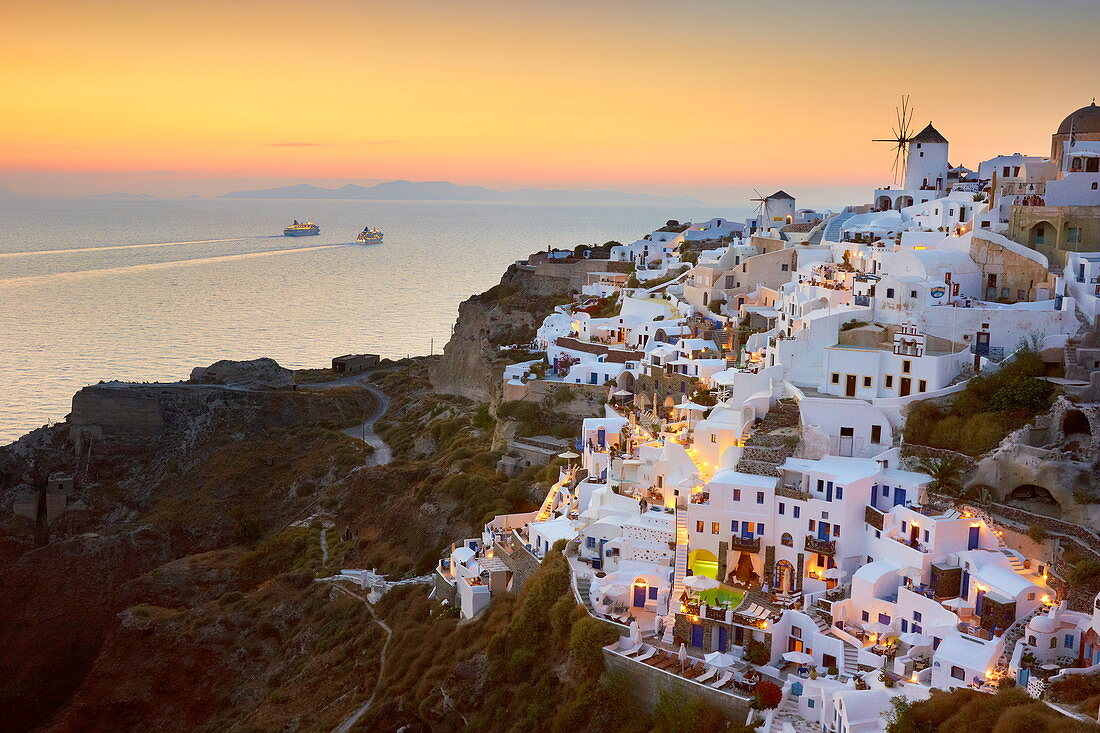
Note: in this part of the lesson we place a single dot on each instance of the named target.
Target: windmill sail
(903, 135)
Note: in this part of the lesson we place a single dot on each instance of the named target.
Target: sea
(138, 289)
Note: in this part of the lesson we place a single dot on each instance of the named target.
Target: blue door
(828, 491)
(964, 588)
(972, 539)
(899, 496)
(697, 635)
(601, 436)
(723, 638)
(823, 531)
(639, 596)
(978, 602)
(592, 378)
(874, 496)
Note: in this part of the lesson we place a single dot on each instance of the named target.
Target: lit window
(715, 527)
(699, 526)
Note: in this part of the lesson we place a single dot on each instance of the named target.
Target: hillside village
(848, 453)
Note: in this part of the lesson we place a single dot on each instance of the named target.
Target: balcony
(746, 544)
(873, 517)
(993, 352)
(863, 300)
(822, 547)
(792, 491)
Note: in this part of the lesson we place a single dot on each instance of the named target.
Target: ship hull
(301, 234)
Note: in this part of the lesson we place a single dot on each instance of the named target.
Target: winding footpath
(352, 719)
(365, 431)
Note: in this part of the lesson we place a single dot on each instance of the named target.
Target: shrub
(1084, 571)
(767, 695)
(586, 642)
(757, 653)
(1037, 533)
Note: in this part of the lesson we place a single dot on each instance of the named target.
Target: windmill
(903, 135)
(761, 210)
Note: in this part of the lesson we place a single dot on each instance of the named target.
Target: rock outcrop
(253, 374)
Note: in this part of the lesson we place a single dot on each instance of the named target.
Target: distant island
(446, 191)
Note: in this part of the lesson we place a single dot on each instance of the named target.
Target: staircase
(764, 452)
(547, 508)
(678, 574)
(1014, 561)
(822, 624)
(851, 660)
(584, 590)
(832, 229)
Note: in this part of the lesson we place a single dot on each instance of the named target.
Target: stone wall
(519, 560)
(649, 682)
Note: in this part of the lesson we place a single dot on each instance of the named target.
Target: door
(981, 343)
(964, 586)
(823, 531)
(850, 385)
(601, 437)
(972, 539)
(847, 441)
(639, 596)
(899, 496)
(723, 638)
(978, 602)
(697, 635)
(914, 534)
(906, 387)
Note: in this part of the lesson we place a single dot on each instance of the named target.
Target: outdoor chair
(723, 680)
(711, 671)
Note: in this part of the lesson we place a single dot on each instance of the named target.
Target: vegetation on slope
(969, 711)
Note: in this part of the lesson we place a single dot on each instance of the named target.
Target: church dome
(1084, 120)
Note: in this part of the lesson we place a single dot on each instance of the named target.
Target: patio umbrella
(635, 632)
(682, 655)
(720, 659)
(876, 628)
(689, 405)
(799, 657)
(614, 591)
(834, 574)
(915, 639)
(700, 583)
(957, 603)
(622, 393)
(568, 455)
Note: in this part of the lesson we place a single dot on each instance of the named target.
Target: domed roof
(1084, 120)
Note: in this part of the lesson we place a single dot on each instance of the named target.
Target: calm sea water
(96, 289)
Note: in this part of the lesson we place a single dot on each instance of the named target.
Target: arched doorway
(784, 577)
(882, 203)
(1034, 498)
(703, 562)
(1042, 233)
(902, 201)
(744, 572)
(1076, 423)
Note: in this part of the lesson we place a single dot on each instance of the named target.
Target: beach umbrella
(689, 405)
(914, 639)
(957, 603)
(657, 624)
(568, 455)
(700, 583)
(635, 632)
(614, 590)
(720, 659)
(834, 574)
(799, 657)
(682, 655)
(623, 393)
(876, 628)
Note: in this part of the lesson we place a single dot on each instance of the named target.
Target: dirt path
(352, 719)
(365, 430)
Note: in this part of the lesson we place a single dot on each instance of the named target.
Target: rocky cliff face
(506, 314)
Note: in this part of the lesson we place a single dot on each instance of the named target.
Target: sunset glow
(669, 97)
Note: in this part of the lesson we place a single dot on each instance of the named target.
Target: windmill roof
(781, 194)
(929, 135)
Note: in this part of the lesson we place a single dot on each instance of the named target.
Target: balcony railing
(747, 544)
(822, 547)
(993, 352)
(864, 300)
(792, 492)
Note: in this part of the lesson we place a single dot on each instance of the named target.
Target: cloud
(295, 145)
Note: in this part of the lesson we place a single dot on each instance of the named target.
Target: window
(958, 673)
(759, 497)
(917, 616)
(797, 511)
(922, 385)
(865, 616)
(733, 526)
(786, 540)
(713, 438)
(912, 293)
(1067, 642)
(737, 494)
(590, 543)
(820, 485)
(903, 526)
(1053, 642)
(1073, 235)
(884, 619)
(840, 492)
(876, 433)
(784, 268)
(889, 381)
(783, 510)
(1031, 596)
(878, 535)
(836, 530)
(906, 365)
(652, 592)
(915, 628)
(810, 702)
(660, 482)
(889, 292)
(835, 379)
(813, 526)
(759, 528)
(699, 526)
(886, 491)
(715, 528)
(1031, 640)
(926, 535)
(796, 632)
(866, 381)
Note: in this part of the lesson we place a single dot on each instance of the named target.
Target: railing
(748, 544)
(822, 547)
(993, 352)
(864, 300)
(873, 517)
(792, 492)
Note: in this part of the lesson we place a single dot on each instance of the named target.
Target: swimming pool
(724, 596)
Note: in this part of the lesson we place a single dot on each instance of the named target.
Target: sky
(705, 97)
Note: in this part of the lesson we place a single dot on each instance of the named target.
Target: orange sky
(696, 96)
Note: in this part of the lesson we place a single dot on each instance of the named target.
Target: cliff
(508, 313)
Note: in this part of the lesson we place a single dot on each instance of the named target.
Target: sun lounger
(711, 671)
(721, 681)
(632, 650)
(643, 649)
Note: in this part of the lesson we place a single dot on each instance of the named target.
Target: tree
(767, 695)
(946, 473)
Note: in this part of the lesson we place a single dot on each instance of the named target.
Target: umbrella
(682, 655)
(720, 659)
(700, 583)
(635, 632)
(914, 639)
(689, 405)
(799, 657)
(876, 628)
(614, 591)
(622, 393)
(568, 454)
(833, 574)
(957, 603)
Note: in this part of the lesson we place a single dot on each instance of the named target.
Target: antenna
(903, 135)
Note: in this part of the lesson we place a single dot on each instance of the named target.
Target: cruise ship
(301, 229)
(369, 236)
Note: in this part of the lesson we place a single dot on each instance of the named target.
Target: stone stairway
(1014, 560)
(678, 574)
(832, 229)
(584, 588)
(764, 452)
(851, 660)
(822, 624)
